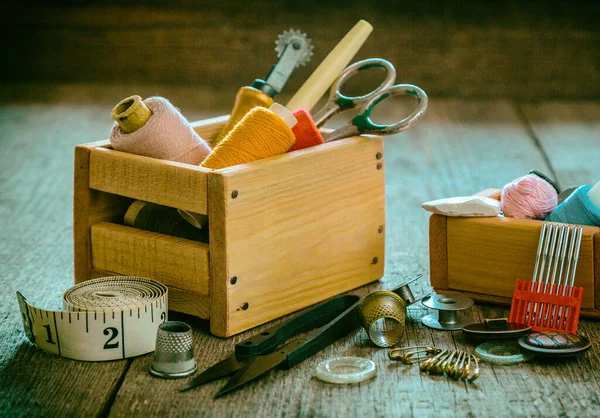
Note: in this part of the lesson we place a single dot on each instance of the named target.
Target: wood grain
(89, 207)
(558, 126)
(36, 258)
(438, 251)
(461, 147)
(435, 159)
(219, 248)
(167, 183)
(467, 49)
(300, 228)
(487, 255)
(173, 261)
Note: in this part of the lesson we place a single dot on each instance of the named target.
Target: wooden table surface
(462, 146)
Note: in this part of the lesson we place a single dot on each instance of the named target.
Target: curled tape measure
(104, 319)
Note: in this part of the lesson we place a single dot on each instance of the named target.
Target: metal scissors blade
(339, 102)
(258, 366)
(269, 340)
(220, 370)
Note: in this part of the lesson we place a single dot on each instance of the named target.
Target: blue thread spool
(577, 209)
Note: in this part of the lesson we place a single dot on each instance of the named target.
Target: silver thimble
(174, 353)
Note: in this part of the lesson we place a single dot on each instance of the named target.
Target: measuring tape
(103, 319)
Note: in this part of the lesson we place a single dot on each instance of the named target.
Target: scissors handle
(339, 102)
(362, 123)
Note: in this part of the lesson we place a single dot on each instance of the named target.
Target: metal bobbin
(405, 293)
(447, 306)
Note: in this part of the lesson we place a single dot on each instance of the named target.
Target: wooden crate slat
(168, 183)
(173, 261)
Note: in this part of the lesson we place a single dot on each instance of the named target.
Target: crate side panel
(438, 251)
(90, 207)
(304, 227)
(164, 182)
(488, 255)
(173, 261)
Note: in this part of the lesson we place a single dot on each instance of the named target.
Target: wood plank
(498, 49)
(36, 258)
(438, 158)
(219, 263)
(438, 251)
(173, 261)
(168, 183)
(461, 147)
(568, 125)
(208, 129)
(302, 227)
(487, 255)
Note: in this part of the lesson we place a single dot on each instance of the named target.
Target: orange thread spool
(260, 134)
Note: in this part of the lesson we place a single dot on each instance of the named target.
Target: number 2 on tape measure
(95, 335)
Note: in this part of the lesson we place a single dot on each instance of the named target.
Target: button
(554, 343)
(345, 370)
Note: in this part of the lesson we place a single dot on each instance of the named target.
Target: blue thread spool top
(577, 209)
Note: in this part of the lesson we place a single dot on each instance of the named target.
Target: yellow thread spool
(247, 99)
(131, 114)
(262, 133)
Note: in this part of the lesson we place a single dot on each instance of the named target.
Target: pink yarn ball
(528, 197)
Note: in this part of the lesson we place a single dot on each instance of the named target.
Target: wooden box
(483, 257)
(285, 232)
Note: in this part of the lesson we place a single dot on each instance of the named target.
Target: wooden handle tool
(326, 73)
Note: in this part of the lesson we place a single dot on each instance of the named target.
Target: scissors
(255, 356)
(362, 123)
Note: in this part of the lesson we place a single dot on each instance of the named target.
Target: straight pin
(555, 311)
(538, 278)
(558, 251)
(578, 236)
(537, 265)
(549, 256)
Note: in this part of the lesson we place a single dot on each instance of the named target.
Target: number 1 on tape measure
(104, 319)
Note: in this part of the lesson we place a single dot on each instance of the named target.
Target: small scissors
(282, 347)
(362, 123)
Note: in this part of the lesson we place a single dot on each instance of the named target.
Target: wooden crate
(285, 232)
(483, 257)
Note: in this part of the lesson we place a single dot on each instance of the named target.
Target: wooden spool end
(131, 114)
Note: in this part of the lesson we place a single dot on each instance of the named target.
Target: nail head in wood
(379, 165)
(233, 280)
(375, 260)
(245, 306)
(380, 229)
(379, 155)
(234, 194)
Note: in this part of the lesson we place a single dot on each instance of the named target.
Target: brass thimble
(382, 314)
(174, 353)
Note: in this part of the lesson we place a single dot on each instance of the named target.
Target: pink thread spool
(528, 197)
(155, 128)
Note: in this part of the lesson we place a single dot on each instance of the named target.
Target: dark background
(517, 49)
